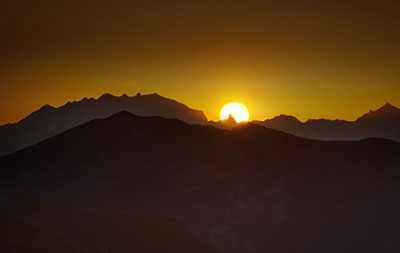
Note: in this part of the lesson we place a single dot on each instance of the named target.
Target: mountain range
(381, 123)
(248, 189)
(49, 121)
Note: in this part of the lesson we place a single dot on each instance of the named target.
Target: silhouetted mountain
(386, 112)
(49, 121)
(251, 189)
(285, 123)
(382, 123)
(20, 236)
(112, 231)
(225, 124)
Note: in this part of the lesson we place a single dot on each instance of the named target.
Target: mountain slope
(20, 236)
(102, 232)
(382, 123)
(251, 189)
(49, 121)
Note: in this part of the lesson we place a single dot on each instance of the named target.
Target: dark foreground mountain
(251, 189)
(49, 121)
(20, 236)
(382, 123)
(96, 230)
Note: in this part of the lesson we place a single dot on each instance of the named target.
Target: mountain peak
(285, 118)
(231, 119)
(388, 106)
(122, 114)
(155, 94)
(229, 122)
(386, 111)
(106, 96)
(47, 107)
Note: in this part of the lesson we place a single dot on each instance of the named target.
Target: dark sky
(311, 59)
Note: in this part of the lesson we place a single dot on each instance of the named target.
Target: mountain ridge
(381, 123)
(380, 109)
(49, 121)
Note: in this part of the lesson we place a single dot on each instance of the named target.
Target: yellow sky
(317, 59)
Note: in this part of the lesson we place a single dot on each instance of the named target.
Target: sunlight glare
(237, 110)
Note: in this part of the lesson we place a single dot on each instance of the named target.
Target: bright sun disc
(237, 110)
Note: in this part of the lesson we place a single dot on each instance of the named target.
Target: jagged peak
(47, 107)
(44, 109)
(231, 119)
(384, 111)
(125, 96)
(155, 94)
(388, 106)
(106, 96)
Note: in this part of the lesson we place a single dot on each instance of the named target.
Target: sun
(238, 111)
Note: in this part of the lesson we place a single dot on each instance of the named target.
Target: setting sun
(237, 110)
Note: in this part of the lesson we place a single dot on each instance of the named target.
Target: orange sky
(310, 59)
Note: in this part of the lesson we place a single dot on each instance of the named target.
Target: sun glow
(238, 111)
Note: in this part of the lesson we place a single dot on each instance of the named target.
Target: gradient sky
(310, 59)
